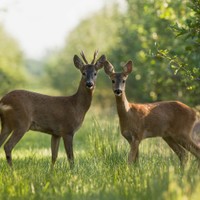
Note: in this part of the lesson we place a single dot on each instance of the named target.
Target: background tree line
(11, 63)
(161, 37)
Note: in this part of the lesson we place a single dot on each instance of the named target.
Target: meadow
(101, 170)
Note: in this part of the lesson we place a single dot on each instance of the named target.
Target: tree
(11, 63)
(136, 33)
(144, 24)
(186, 65)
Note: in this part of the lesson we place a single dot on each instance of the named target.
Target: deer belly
(150, 133)
(37, 127)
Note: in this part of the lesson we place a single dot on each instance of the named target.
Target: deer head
(118, 78)
(89, 71)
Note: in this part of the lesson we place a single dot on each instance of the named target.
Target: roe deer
(59, 116)
(172, 120)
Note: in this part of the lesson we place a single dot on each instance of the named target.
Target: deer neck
(122, 104)
(83, 97)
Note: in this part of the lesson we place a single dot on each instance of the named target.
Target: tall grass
(101, 170)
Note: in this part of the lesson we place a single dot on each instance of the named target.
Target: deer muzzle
(89, 84)
(118, 92)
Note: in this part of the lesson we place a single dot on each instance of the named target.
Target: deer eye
(84, 73)
(95, 73)
(123, 81)
(113, 81)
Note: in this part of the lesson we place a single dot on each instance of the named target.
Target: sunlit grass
(101, 170)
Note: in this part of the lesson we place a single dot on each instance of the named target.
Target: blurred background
(38, 39)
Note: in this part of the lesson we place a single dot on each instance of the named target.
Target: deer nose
(89, 84)
(118, 92)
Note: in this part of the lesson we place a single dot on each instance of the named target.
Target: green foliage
(101, 170)
(11, 63)
(186, 64)
(136, 33)
(190, 29)
(161, 37)
(144, 26)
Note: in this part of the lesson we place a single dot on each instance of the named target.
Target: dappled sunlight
(101, 169)
(162, 40)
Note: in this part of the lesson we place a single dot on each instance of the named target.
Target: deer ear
(78, 62)
(127, 69)
(108, 68)
(100, 62)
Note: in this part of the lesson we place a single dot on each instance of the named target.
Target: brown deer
(172, 120)
(59, 116)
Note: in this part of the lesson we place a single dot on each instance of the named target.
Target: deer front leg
(134, 151)
(55, 141)
(134, 145)
(68, 143)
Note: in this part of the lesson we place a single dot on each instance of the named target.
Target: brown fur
(60, 116)
(171, 120)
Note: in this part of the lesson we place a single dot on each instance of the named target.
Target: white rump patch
(5, 107)
(196, 131)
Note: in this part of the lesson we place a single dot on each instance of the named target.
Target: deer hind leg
(188, 144)
(55, 141)
(12, 141)
(5, 132)
(179, 150)
(68, 143)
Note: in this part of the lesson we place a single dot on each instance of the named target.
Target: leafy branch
(178, 65)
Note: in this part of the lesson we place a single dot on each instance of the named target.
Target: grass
(101, 170)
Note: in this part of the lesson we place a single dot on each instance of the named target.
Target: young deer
(172, 120)
(59, 116)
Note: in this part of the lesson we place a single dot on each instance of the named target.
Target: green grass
(101, 170)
